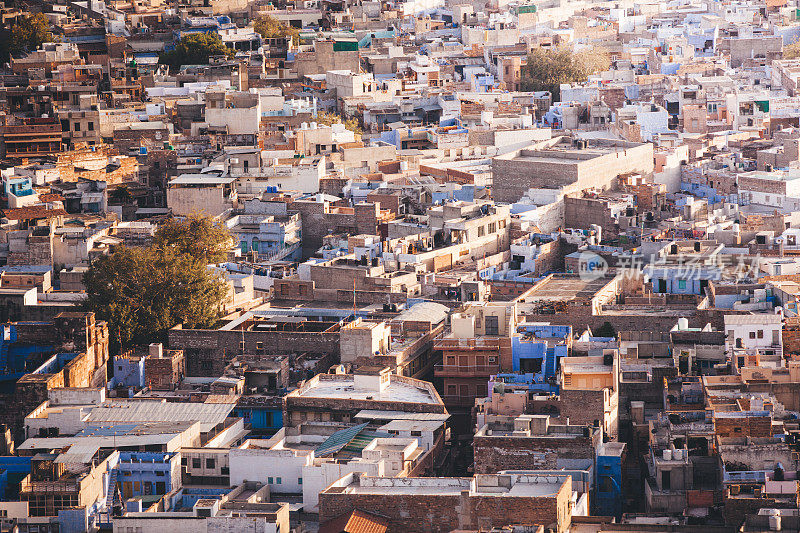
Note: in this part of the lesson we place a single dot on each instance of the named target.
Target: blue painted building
(539, 347)
(147, 473)
(608, 494)
(262, 418)
(12, 471)
(128, 372)
(15, 357)
(19, 186)
(681, 279)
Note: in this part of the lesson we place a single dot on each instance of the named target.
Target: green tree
(120, 195)
(270, 27)
(29, 33)
(143, 292)
(195, 49)
(196, 235)
(792, 51)
(327, 119)
(548, 68)
(606, 330)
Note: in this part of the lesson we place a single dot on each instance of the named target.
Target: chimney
(156, 350)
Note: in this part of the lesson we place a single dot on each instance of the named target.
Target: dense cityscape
(399, 266)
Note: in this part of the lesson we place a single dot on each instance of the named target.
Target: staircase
(113, 498)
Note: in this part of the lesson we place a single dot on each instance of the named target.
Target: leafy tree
(327, 119)
(606, 330)
(120, 195)
(792, 51)
(270, 27)
(548, 68)
(29, 33)
(195, 49)
(143, 292)
(196, 235)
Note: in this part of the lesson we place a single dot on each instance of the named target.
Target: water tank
(667, 455)
(683, 324)
(774, 519)
(677, 454)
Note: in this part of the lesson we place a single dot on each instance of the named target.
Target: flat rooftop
(500, 485)
(565, 287)
(134, 411)
(345, 388)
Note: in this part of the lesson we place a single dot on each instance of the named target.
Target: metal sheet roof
(132, 411)
(338, 440)
(375, 414)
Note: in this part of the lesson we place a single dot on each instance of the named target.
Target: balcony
(475, 343)
(454, 400)
(466, 371)
(72, 486)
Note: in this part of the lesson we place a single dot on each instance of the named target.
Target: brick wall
(496, 453)
(752, 426)
(429, 513)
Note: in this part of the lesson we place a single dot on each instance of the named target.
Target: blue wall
(128, 372)
(147, 469)
(608, 485)
(12, 470)
(261, 418)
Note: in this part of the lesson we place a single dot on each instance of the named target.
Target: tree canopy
(270, 27)
(199, 236)
(28, 34)
(143, 292)
(548, 68)
(327, 119)
(195, 49)
(792, 51)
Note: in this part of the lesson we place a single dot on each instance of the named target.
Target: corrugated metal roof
(338, 440)
(375, 414)
(78, 453)
(752, 319)
(208, 414)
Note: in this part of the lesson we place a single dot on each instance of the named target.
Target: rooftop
(350, 387)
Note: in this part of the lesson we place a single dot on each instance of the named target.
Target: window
(416, 433)
(269, 481)
(90, 126)
(299, 481)
(278, 480)
(77, 126)
(210, 463)
(760, 334)
(481, 231)
(259, 346)
(196, 463)
(224, 471)
(666, 482)
(752, 334)
(682, 284)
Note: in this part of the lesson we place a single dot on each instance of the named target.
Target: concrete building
(567, 166)
(444, 504)
(339, 397)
